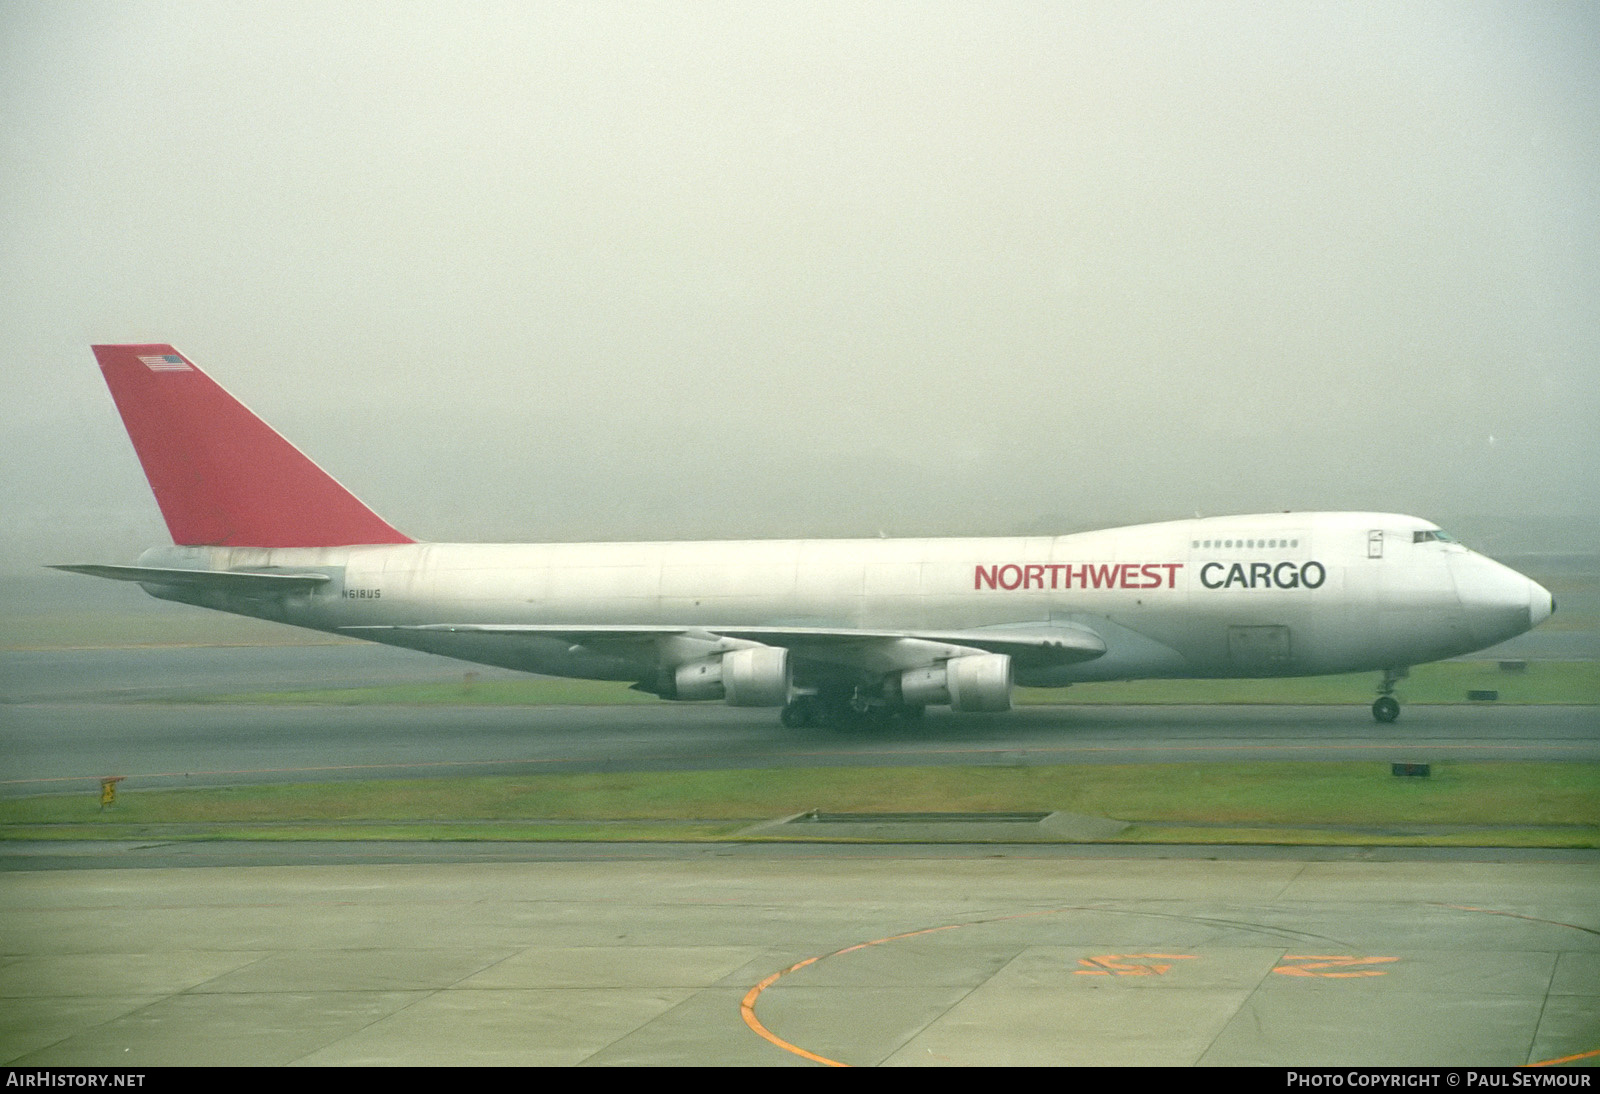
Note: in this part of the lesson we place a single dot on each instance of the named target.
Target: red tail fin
(221, 475)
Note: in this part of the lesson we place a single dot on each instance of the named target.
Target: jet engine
(755, 677)
(979, 683)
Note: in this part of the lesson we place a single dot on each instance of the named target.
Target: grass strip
(1506, 804)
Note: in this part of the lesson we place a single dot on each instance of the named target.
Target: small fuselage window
(1273, 544)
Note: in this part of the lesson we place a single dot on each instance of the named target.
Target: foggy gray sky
(593, 270)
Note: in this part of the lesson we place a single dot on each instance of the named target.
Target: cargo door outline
(1266, 645)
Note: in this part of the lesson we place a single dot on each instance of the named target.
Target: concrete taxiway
(802, 956)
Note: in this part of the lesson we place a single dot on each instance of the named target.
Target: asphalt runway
(47, 747)
(70, 717)
(155, 672)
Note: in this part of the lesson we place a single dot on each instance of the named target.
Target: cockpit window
(1432, 535)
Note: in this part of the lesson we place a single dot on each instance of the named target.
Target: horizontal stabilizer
(250, 582)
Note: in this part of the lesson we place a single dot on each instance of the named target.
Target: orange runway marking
(1130, 964)
(1318, 962)
(1121, 965)
(747, 1009)
(1568, 1059)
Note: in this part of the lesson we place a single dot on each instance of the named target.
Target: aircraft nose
(1541, 603)
(1499, 602)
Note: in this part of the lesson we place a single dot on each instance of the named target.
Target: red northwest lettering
(1011, 576)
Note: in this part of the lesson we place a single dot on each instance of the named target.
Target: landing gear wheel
(850, 718)
(835, 709)
(1387, 707)
(800, 713)
(880, 717)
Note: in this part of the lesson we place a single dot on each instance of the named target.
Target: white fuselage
(1262, 595)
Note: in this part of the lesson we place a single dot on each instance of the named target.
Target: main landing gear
(1386, 708)
(802, 710)
(844, 710)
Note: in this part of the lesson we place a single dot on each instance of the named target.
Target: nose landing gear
(1386, 708)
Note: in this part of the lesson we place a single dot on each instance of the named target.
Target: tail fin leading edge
(221, 475)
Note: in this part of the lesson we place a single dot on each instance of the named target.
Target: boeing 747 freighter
(825, 630)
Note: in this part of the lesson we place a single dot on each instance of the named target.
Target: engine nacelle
(979, 684)
(755, 677)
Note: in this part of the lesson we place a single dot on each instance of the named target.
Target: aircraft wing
(878, 650)
(248, 582)
(1044, 644)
